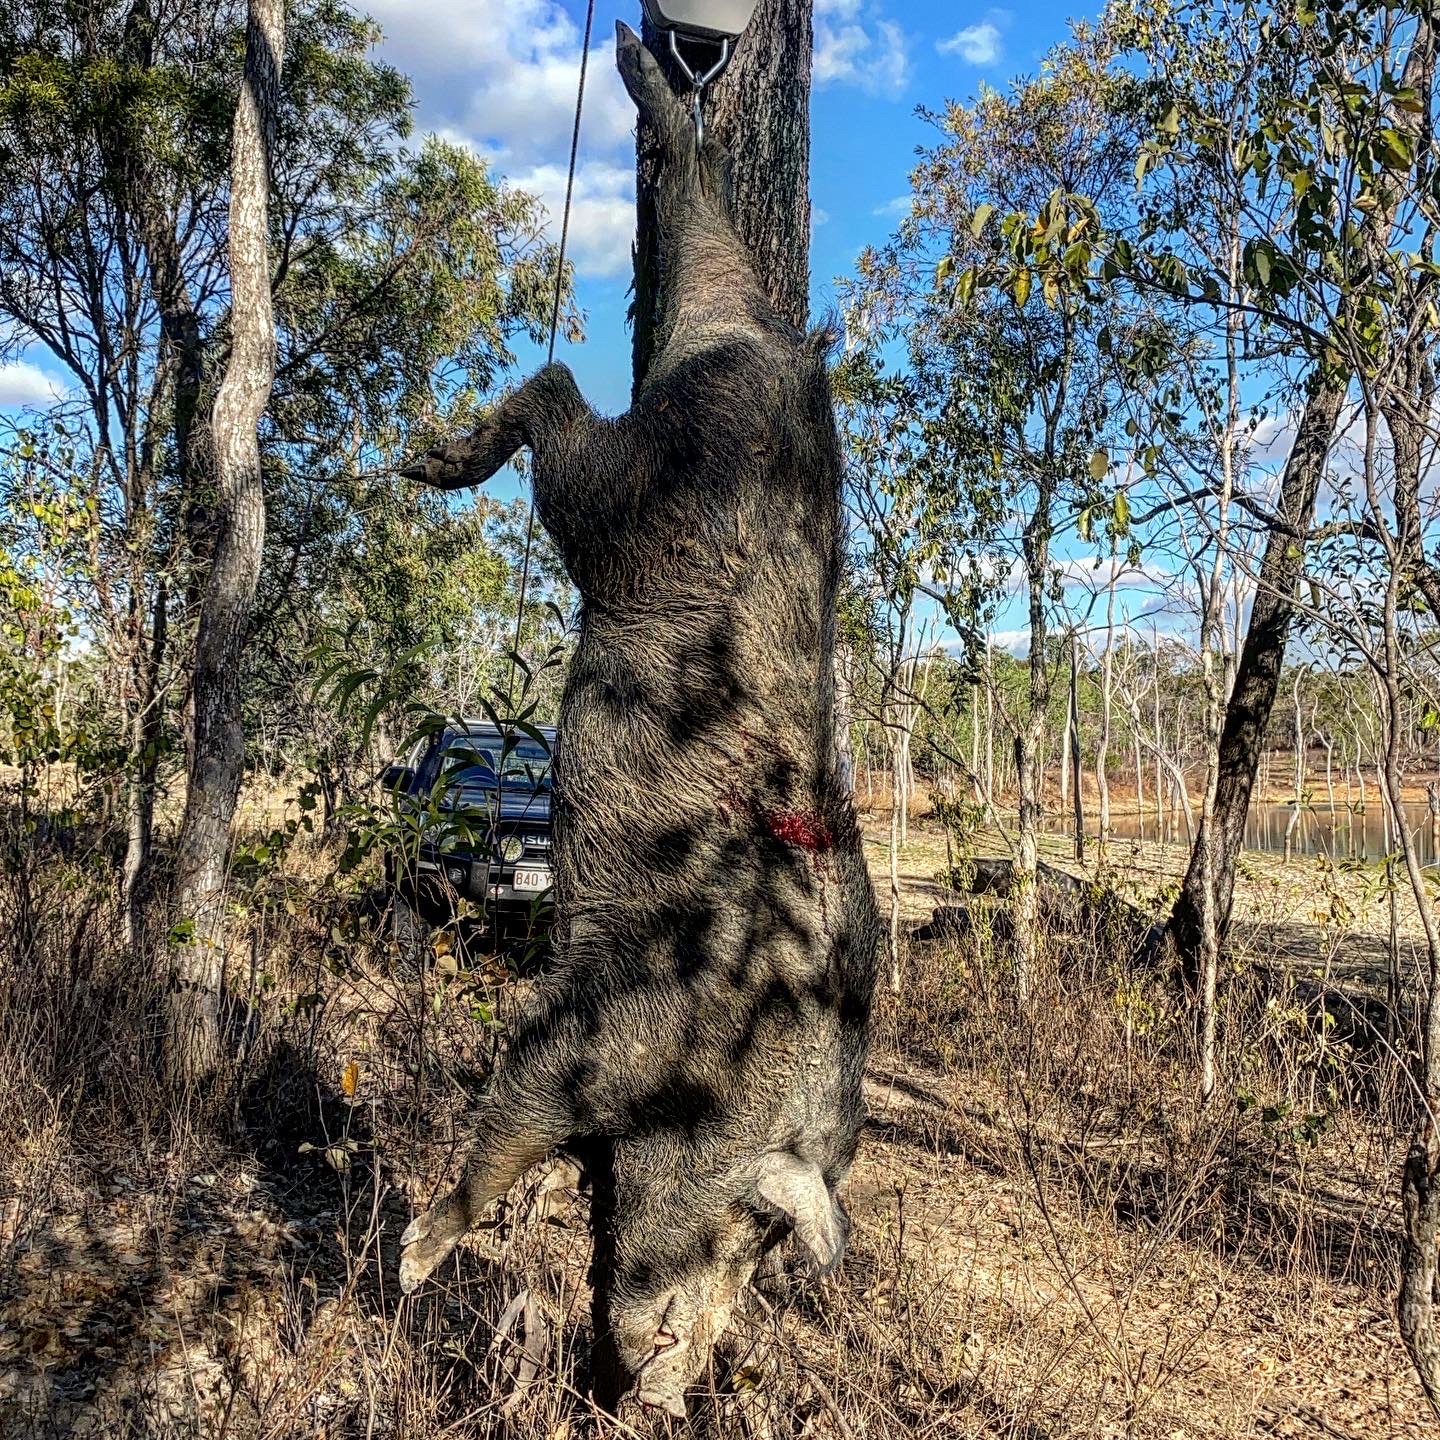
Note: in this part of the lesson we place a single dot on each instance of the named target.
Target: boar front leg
(514, 1130)
(547, 414)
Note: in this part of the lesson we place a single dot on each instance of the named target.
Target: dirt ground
(1195, 1343)
(1324, 916)
(1001, 1280)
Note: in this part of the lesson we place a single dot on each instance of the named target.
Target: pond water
(1340, 832)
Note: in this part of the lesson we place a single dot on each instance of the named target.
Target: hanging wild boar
(717, 932)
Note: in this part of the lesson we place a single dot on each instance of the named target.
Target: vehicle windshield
(471, 763)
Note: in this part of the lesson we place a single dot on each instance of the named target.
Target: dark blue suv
(480, 801)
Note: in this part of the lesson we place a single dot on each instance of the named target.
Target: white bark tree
(218, 753)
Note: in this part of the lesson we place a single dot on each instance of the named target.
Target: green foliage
(393, 827)
(1307, 123)
(46, 533)
(402, 275)
(997, 433)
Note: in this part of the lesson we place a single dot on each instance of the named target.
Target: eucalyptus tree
(1303, 127)
(398, 278)
(237, 545)
(913, 562)
(1193, 219)
(1316, 125)
(991, 288)
(1373, 616)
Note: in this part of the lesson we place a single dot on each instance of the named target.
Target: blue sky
(499, 75)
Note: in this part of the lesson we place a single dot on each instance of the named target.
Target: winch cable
(554, 332)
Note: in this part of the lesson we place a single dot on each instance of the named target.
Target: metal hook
(699, 82)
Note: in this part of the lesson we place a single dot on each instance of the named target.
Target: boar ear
(797, 1189)
(643, 77)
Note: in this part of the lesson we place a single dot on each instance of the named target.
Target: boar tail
(824, 337)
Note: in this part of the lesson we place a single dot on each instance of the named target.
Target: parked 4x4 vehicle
(480, 800)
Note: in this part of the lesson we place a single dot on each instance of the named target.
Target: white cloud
(602, 214)
(898, 208)
(1089, 574)
(27, 386)
(818, 216)
(1014, 642)
(975, 44)
(527, 110)
(980, 44)
(508, 69)
(1273, 436)
(1086, 574)
(854, 46)
(500, 76)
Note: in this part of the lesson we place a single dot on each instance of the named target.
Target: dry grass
(1052, 1238)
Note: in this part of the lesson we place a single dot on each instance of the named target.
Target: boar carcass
(717, 932)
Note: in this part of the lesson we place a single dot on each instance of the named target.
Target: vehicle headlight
(511, 849)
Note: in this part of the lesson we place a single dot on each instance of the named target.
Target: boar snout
(682, 1271)
(665, 1339)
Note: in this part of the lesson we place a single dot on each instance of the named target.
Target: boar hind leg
(545, 408)
(508, 1142)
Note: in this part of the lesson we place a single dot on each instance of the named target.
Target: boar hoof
(446, 466)
(421, 1254)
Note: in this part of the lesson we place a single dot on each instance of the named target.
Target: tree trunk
(1065, 761)
(1408, 408)
(146, 730)
(980, 793)
(129, 173)
(1139, 781)
(904, 722)
(1299, 797)
(1182, 786)
(989, 725)
(896, 807)
(1329, 744)
(1257, 677)
(1216, 686)
(1102, 737)
(1073, 729)
(1420, 1179)
(1042, 765)
(152, 214)
(1024, 893)
(759, 109)
(1159, 741)
(218, 753)
(844, 743)
(1360, 783)
(1258, 672)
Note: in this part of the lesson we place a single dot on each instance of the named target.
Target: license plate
(530, 882)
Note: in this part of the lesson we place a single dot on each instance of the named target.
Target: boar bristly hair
(717, 937)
